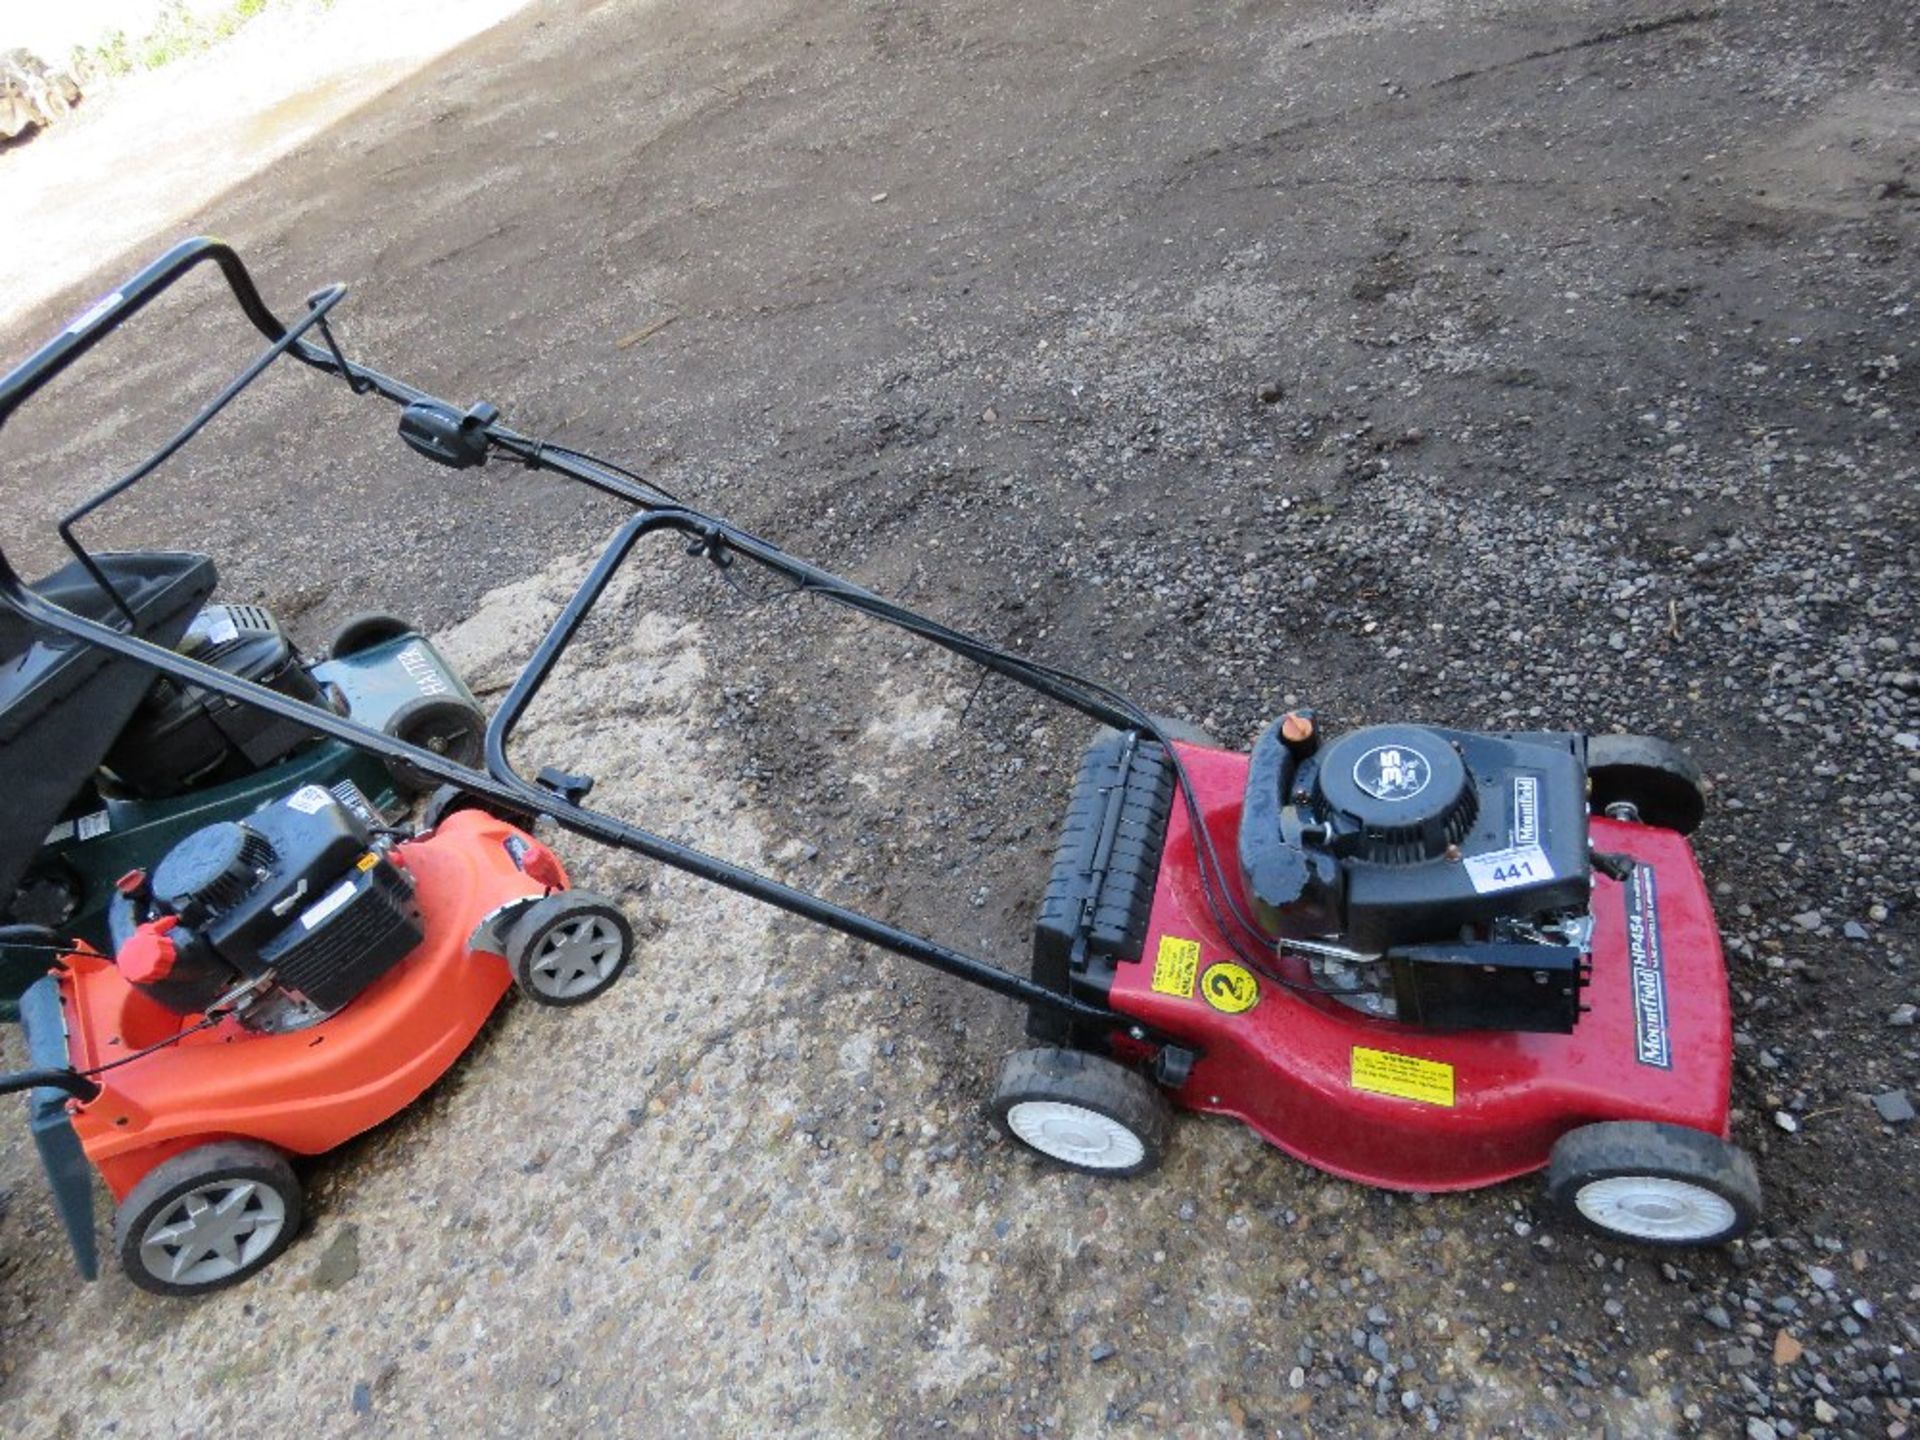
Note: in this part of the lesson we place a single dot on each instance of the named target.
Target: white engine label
(309, 800)
(1505, 869)
(326, 905)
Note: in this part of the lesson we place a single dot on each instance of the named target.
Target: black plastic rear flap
(1100, 890)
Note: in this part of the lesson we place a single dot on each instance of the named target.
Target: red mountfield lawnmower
(1417, 957)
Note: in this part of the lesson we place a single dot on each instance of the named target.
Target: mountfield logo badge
(1526, 810)
(1648, 972)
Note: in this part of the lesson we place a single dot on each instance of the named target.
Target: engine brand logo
(1392, 772)
(1526, 810)
(1651, 1043)
(423, 672)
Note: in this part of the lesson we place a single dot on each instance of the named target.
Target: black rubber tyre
(366, 630)
(443, 724)
(1659, 1185)
(569, 948)
(451, 800)
(1657, 778)
(1082, 1111)
(50, 893)
(208, 1218)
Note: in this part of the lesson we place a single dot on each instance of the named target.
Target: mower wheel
(366, 630)
(1083, 1111)
(568, 948)
(451, 800)
(208, 1218)
(443, 724)
(1659, 780)
(1656, 1184)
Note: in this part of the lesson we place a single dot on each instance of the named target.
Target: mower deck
(1414, 1109)
(309, 1090)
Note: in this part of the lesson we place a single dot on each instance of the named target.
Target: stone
(340, 1261)
(1893, 1106)
(1786, 1350)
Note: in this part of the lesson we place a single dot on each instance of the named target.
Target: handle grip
(118, 306)
(81, 1087)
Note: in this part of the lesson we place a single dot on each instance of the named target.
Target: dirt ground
(1494, 364)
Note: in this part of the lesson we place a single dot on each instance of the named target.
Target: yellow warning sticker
(1230, 989)
(1176, 966)
(1406, 1076)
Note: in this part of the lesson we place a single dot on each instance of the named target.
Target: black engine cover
(296, 892)
(183, 737)
(1403, 834)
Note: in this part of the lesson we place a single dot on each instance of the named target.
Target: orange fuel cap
(149, 955)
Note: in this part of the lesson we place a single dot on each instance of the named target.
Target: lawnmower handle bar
(117, 307)
(80, 1087)
(500, 782)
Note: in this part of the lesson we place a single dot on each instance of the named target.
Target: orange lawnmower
(1418, 957)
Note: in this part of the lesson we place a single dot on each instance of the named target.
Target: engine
(1436, 877)
(286, 915)
(183, 737)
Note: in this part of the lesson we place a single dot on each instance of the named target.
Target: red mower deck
(1409, 1109)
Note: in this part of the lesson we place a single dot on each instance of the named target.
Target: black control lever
(570, 788)
(1614, 866)
(445, 436)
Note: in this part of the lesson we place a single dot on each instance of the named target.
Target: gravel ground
(1478, 363)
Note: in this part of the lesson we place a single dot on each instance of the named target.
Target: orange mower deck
(309, 1090)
